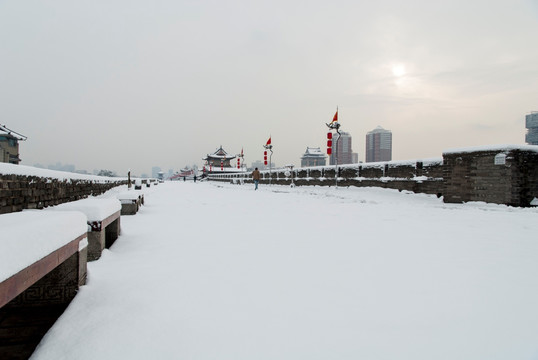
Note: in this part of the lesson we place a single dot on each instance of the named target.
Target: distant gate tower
(379, 145)
(218, 158)
(531, 123)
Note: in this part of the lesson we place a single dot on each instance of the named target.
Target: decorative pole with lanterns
(240, 158)
(269, 147)
(334, 125)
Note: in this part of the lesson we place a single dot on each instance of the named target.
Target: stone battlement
(503, 174)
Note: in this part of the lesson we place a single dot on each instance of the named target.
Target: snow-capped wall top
(94, 209)
(381, 164)
(12, 169)
(23, 245)
(506, 147)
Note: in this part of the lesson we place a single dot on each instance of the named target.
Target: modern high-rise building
(379, 145)
(345, 152)
(531, 123)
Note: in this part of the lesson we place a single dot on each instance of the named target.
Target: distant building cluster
(531, 123)
(378, 148)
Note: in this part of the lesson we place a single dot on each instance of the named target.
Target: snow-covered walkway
(208, 271)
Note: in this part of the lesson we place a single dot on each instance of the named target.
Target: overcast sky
(132, 84)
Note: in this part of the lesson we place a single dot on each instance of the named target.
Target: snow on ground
(220, 271)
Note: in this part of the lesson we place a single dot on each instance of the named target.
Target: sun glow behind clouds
(398, 70)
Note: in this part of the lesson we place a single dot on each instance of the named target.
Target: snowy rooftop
(220, 153)
(313, 151)
(5, 131)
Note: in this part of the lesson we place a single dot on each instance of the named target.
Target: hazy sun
(398, 70)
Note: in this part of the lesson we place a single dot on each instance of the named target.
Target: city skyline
(132, 85)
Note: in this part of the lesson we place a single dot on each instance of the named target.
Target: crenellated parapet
(19, 191)
(501, 174)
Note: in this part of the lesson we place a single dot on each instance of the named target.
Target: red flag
(269, 141)
(241, 151)
(335, 118)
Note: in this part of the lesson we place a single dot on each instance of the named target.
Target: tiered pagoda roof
(219, 154)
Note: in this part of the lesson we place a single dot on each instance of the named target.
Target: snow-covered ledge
(103, 222)
(131, 201)
(28, 253)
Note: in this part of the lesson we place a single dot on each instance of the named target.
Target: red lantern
(329, 143)
(265, 153)
(265, 162)
(329, 135)
(329, 151)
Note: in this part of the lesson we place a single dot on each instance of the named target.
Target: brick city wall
(19, 192)
(502, 175)
(420, 177)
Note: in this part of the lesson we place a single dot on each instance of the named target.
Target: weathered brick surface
(402, 171)
(475, 177)
(371, 172)
(19, 192)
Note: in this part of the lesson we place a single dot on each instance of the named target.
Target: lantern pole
(335, 125)
(270, 148)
